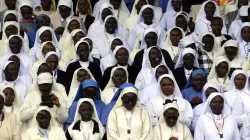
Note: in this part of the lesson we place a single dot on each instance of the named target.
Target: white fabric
(184, 52)
(67, 3)
(244, 46)
(215, 47)
(76, 58)
(22, 3)
(218, 60)
(44, 78)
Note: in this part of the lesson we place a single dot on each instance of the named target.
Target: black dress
(61, 77)
(93, 67)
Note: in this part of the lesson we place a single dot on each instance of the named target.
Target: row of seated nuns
(124, 70)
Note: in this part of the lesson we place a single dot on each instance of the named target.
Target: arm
(139, 82)
(147, 132)
(28, 110)
(163, 22)
(199, 132)
(186, 116)
(238, 111)
(112, 127)
(16, 134)
(152, 115)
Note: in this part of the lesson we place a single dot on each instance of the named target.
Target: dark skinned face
(209, 9)
(177, 5)
(115, 42)
(73, 24)
(11, 30)
(217, 27)
(9, 96)
(89, 92)
(86, 111)
(10, 17)
(119, 77)
(48, 47)
(83, 52)
(198, 82)
(45, 89)
(11, 72)
(16, 60)
(242, 3)
(83, 6)
(209, 91)
(11, 4)
(82, 75)
(171, 116)
(129, 100)
(139, 5)
(64, 11)
(181, 22)
(44, 67)
(15, 44)
(175, 36)
(231, 52)
(43, 119)
(122, 57)
(78, 36)
(106, 12)
(46, 36)
(217, 104)
(151, 39)
(43, 21)
(167, 86)
(222, 69)
(46, 4)
(148, 15)
(155, 57)
(208, 40)
(52, 61)
(188, 60)
(240, 81)
(160, 71)
(245, 33)
(111, 25)
(26, 12)
(116, 3)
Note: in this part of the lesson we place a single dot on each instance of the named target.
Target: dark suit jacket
(180, 77)
(93, 68)
(61, 77)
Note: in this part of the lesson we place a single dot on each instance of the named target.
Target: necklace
(219, 124)
(128, 120)
(89, 131)
(224, 81)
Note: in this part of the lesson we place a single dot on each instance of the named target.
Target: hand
(195, 101)
(34, 16)
(59, 30)
(23, 29)
(55, 100)
(173, 138)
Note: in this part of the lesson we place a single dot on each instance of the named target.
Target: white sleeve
(187, 116)
(199, 131)
(112, 132)
(152, 115)
(28, 110)
(62, 112)
(238, 111)
(163, 22)
(132, 39)
(139, 82)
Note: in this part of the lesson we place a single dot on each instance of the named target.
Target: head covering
(67, 3)
(23, 50)
(66, 33)
(44, 78)
(22, 3)
(90, 7)
(142, 38)
(185, 51)
(4, 7)
(162, 65)
(34, 121)
(229, 43)
(190, 79)
(111, 16)
(76, 57)
(239, 37)
(16, 102)
(52, 53)
(185, 41)
(140, 18)
(235, 73)
(74, 82)
(9, 12)
(111, 83)
(215, 47)
(166, 107)
(210, 85)
(39, 17)
(170, 7)
(202, 13)
(243, 11)
(146, 61)
(5, 25)
(103, 6)
(117, 48)
(123, 7)
(218, 60)
(177, 91)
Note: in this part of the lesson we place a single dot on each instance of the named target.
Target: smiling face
(155, 57)
(240, 81)
(43, 119)
(119, 77)
(129, 100)
(111, 25)
(217, 105)
(167, 86)
(86, 111)
(245, 33)
(15, 44)
(171, 116)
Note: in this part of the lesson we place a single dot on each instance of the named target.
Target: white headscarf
(103, 6)
(160, 65)
(22, 48)
(184, 52)
(16, 101)
(117, 48)
(167, 106)
(123, 7)
(9, 12)
(52, 53)
(41, 51)
(210, 85)
(239, 37)
(2, 75)
(22, 3)
(66, 33)
(146, 61)
(229, 43)
(170, 7)
(142, 38)
(215, 47)
(34, 121)
(202, 13)
(243, 11)
(67, 3)
(90, 7)
(217, 61)
(44, 78)
(3, 6)
(76, 58)
(5, 25)
(140, 18)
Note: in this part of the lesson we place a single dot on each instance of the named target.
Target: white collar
(145, 26)
(188, 71)
(206, 21)
(67, 19)
(11, 83)
(170, 97)
(125, 67)
(84, 64)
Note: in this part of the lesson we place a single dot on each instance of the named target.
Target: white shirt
(187, 73)
(84, 64)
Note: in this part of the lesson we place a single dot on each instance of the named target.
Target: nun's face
(122, 56)
(129, 100)
(217, 104)
(222, 69)
(46, 36)
(16, 60)
(44, 67)
(116, 3)
(26, 12)
(43, 21)
(43, 119)
(167, 86)
(160, 71)
(139, 5)
(11, 4)
(89, 92)
(106, 12)
(73, 24)
(209, 91)
(240, 81)
(83, 6)
(10, 17)
(175, 36)
(46, 4)
(119, 77)
(188, 60)
(52, 61)
(86, 111)
(181, 22)
(82, 75)
(209, 9)
(231, 52)
(11, 72)
(115, 42)
(45, 89)
(208, 40)
(177, 5)
(151, 39)
(198, 82)
(245, 33)
(171, 116)
(64, 11)
(83, 51)
(111, 25)
(48, 47)
(148, 15)
(15, 44)
(78, 36)
(9, 96)
(242, 3)
(155, 57)
(11, 30)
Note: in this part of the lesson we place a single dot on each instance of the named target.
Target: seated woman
(137, 125)
(45, 95)
(194, 86)
(48, 8)
(43, 126)
(182, 21)
(10, 15)
(169, 91)
(219, 73)
(243, 39)
(169, 127)
(93, 49)
(9, 128)
(87, 89)
(118, 77)
(86, 124)
(216, 123)
(238, 85)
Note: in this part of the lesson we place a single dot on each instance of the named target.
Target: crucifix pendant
(128, 131)
(221, 136)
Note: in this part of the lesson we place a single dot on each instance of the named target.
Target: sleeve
(62, 135)
(152, 115)
(25, 136)
(139, 82)
(187, 115)
(147, 132)
(163, 22)
(187, 133)
(156, 133)
(236, 132)
(132, 39)
(16, 133)
(28, 110)
(112, 127)
(199, 132)
(238, 111)
(62, 112)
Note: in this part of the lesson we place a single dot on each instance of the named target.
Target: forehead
(43, 113)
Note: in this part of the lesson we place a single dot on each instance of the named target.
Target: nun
(47, 8)
(86, 124)
(11, 104)
(133, 121)
(9, 15)
(43, 126)
(215, 123)
(243, 39)
(7, 7)
(169, 92)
